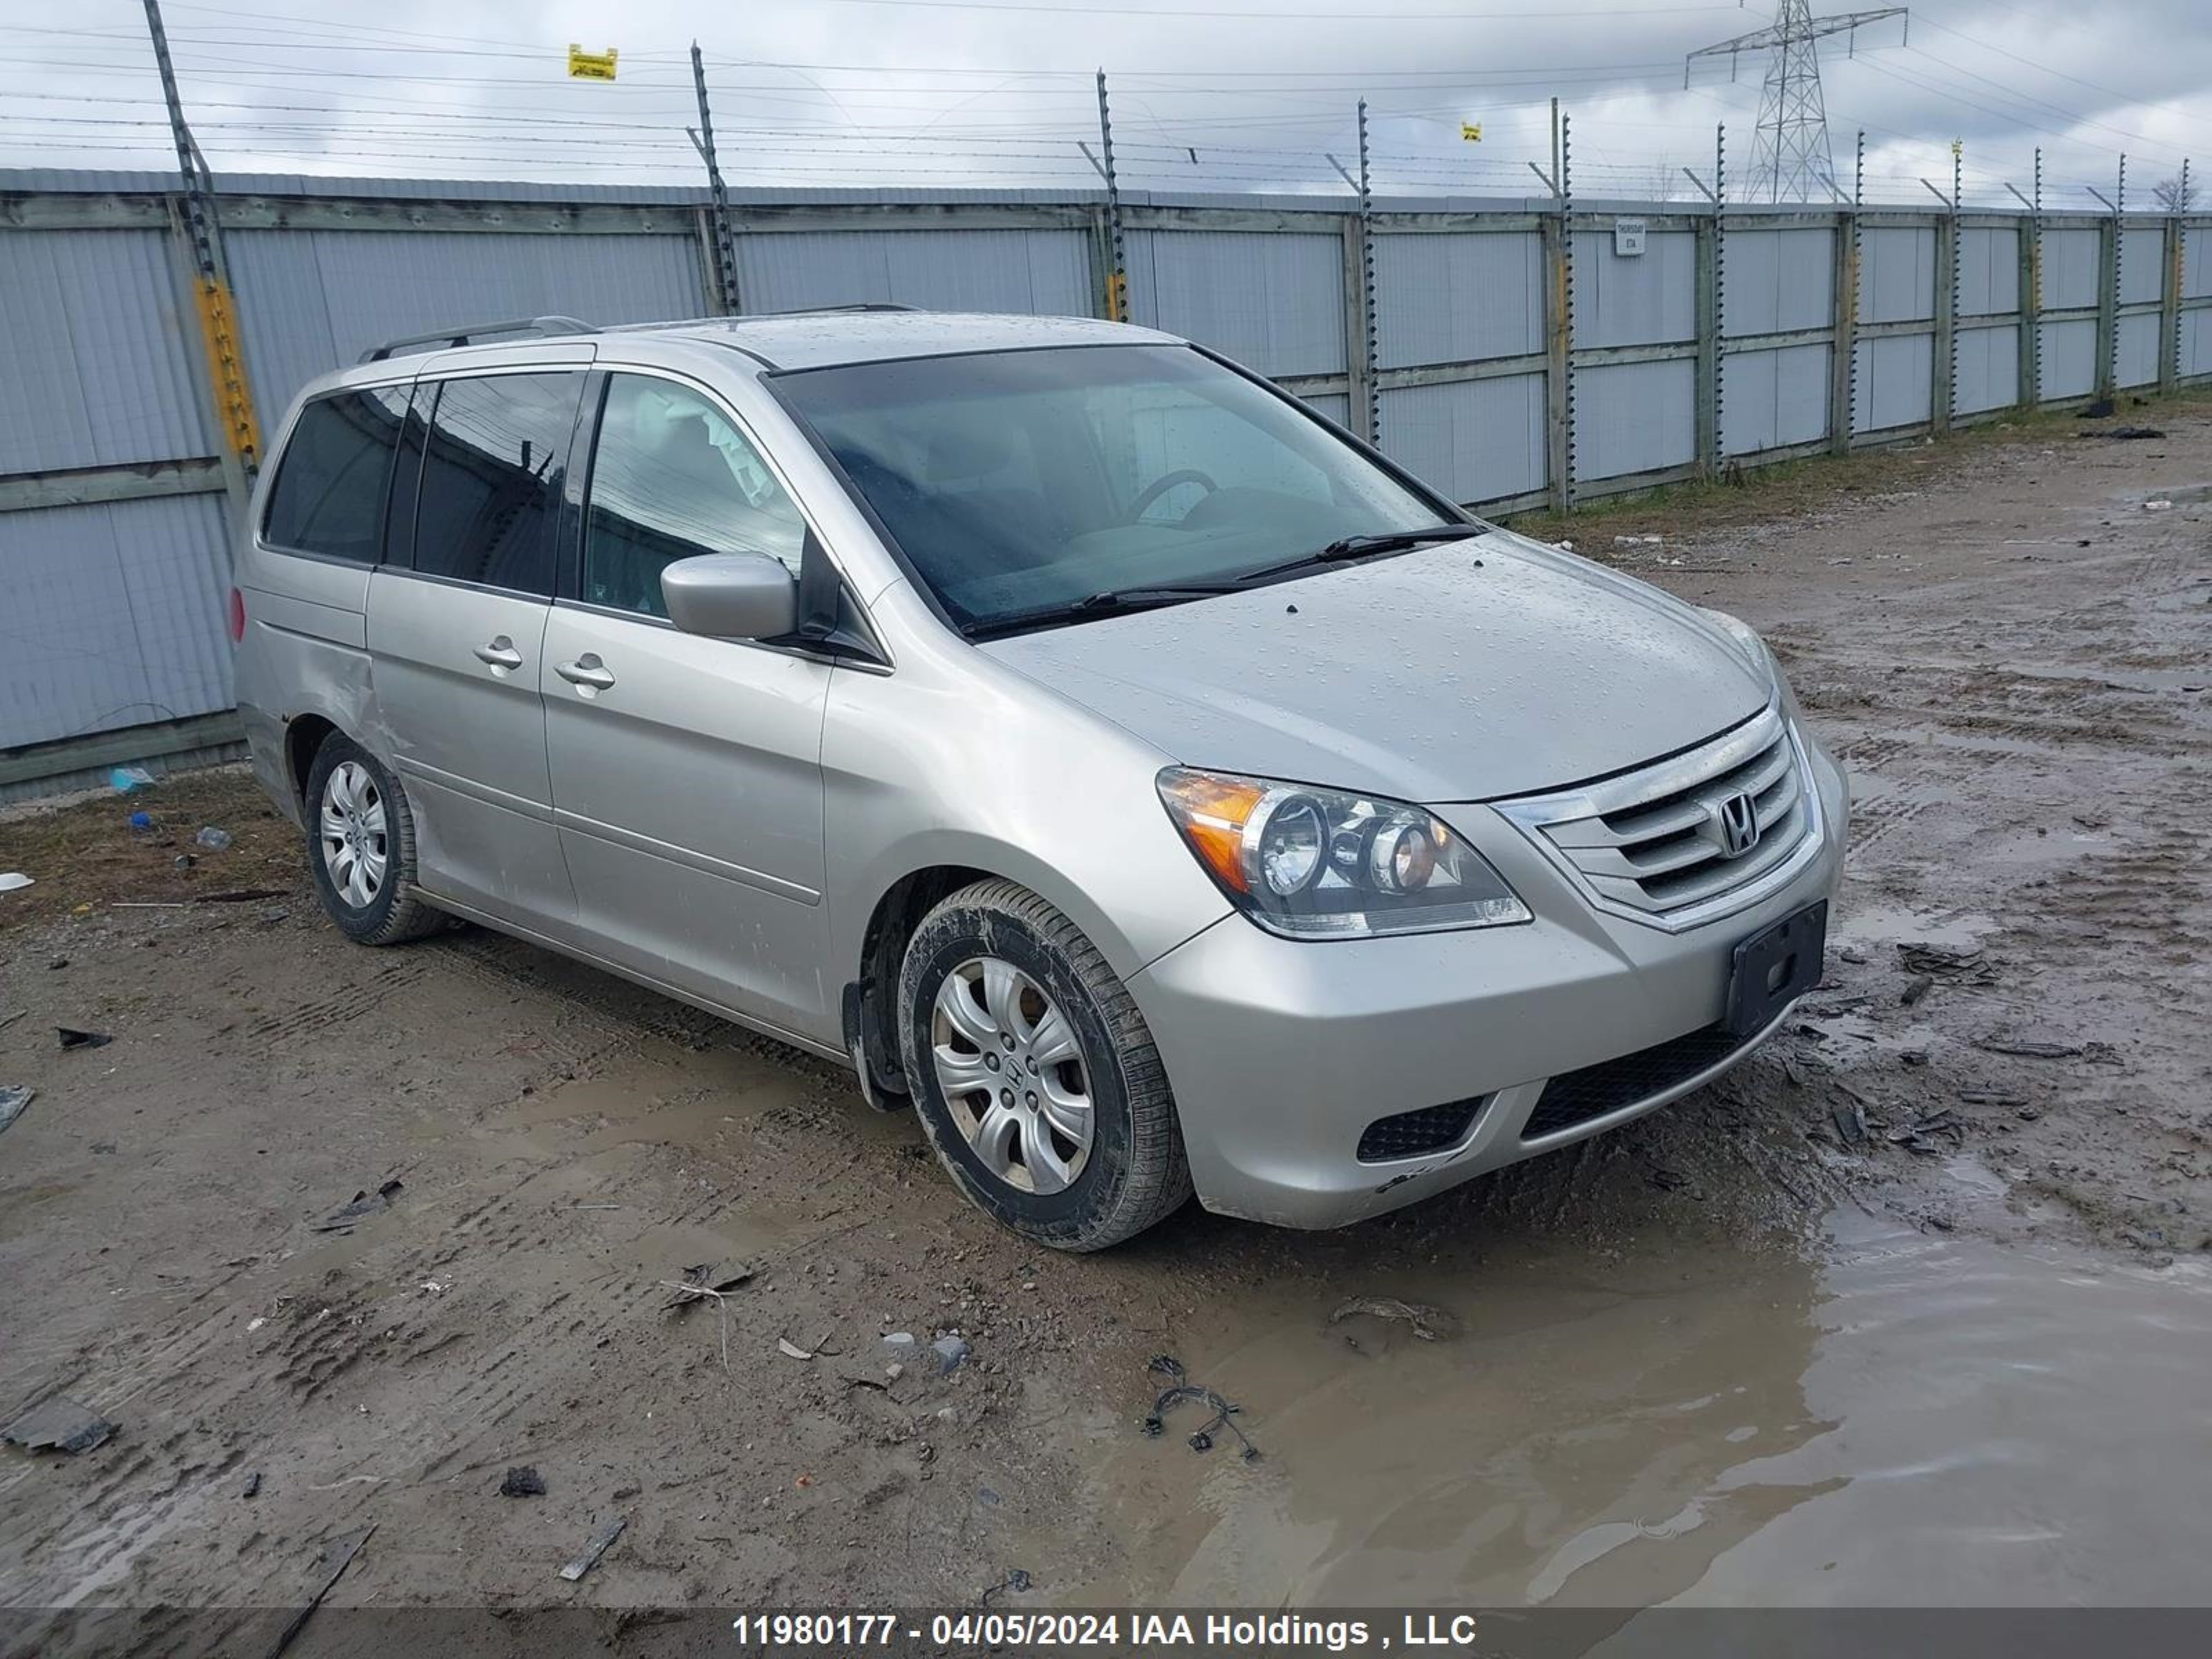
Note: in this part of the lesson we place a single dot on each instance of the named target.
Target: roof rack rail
(474, 332)
(823, 311)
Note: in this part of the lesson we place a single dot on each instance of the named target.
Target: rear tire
(1034, 1073)
(361, 847)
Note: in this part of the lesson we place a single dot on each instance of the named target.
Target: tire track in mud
(343, 1007)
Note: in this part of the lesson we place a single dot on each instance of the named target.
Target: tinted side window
(491, 479)
(329, 489)
(673, 477)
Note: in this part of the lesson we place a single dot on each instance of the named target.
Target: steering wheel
(1160, 486)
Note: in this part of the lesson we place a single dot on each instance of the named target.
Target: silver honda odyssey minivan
(1156, 787)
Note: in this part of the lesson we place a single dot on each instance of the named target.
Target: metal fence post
(1362, 353)
(724, 247)
(1117, 271)
(1558, 320)
(196, 225)
(1943, 363)
(2108, 290)
(1708, 368)
(2169, 299)
(2031, 298)
(1711, 320)
(1843, 354)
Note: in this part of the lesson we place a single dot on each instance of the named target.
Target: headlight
(1326, 863)
(1746, 640)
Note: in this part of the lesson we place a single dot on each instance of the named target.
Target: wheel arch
(303, 739)
(911, 887)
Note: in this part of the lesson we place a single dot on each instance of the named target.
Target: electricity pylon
(1791, 160)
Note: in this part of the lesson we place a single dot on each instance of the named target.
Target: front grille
(1652, 841)
(1577, 1096)
(1409, 1134)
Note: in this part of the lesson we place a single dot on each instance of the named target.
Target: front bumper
(1282, 1052)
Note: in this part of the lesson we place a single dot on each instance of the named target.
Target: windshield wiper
(1100, 603)
(1360, 547)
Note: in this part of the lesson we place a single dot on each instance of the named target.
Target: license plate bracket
(1776, 966)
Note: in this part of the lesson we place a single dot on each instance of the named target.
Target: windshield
(1018, 481)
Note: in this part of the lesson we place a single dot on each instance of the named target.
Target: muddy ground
(1738, 1352)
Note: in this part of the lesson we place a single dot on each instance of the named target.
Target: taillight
(237, 617)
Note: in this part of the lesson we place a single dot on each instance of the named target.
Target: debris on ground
(2124, 433)
(2158, 506)
(70, 1037)
(1016, 1580)
(1181, 1388)
(598, 1546)
(791, 1349)
(705, 1283)
(899, 1350)
(951, 1353)
(213, 838)
(1430, 1324)
(12, 879)
(2030, 1047)
(58, 1424)
(522, 1481)
(364, 1205)
(123, 779)
(1921, 1136)
(702, 1282)
(1915, 988)
(1966, 966)
(1851, 1122)
(239, 896)
(1667, 1180)
(13, 1097)
(1990, 1097)
(336, 1557)
(252, 1488)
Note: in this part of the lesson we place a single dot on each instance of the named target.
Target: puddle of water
(1908, 1422)
(1874, 922)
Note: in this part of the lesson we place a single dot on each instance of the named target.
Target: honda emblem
(1738, 820)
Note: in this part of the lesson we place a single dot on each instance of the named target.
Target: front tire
(1034, 1073)
(361, 847)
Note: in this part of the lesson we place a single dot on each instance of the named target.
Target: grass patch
(84, 856)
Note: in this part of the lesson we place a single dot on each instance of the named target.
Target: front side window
(329, 494)
(1017, 481)
(673, 476)
(491, 479)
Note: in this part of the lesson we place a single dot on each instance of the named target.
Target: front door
(456, 642)
(686, 772)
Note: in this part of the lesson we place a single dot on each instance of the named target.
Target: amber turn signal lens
(1212, 813)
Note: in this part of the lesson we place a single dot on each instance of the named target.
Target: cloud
(1208, 95)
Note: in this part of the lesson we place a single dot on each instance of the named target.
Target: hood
(1423, 677)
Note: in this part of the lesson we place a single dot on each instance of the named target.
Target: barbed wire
(854, 122)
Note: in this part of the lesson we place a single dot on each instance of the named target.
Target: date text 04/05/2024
(1011, 1629)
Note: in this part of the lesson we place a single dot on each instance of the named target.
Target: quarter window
(673, 477)
(491, 479)
(329, 494)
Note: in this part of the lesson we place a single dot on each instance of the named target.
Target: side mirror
(732, 596)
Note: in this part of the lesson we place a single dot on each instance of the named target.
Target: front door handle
(586, 671)
(500, 653)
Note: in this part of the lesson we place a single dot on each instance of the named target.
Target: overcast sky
(1206, 93)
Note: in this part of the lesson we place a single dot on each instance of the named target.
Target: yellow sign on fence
(1470, 131)
(591, 65)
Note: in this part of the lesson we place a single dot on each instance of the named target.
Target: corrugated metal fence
(1522, 356)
